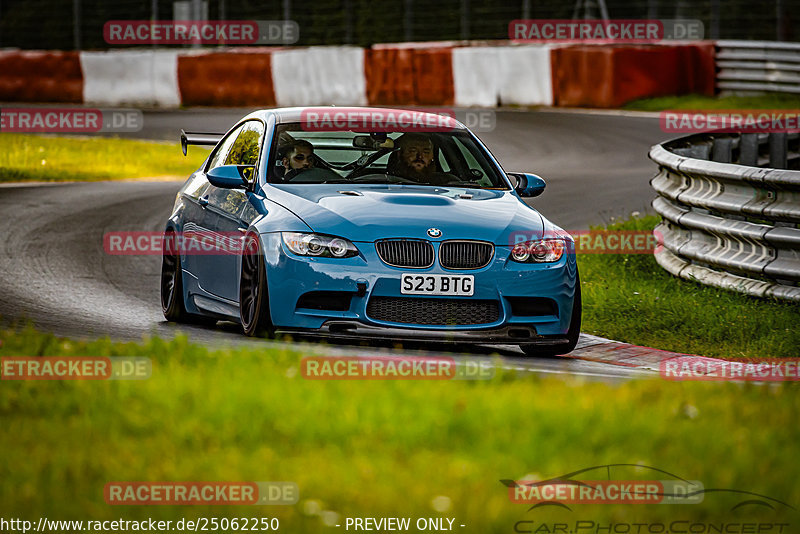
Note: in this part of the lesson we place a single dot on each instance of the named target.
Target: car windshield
(450, 158)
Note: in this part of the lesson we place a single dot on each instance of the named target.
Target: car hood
(372, 212)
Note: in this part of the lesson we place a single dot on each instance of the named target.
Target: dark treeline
(50, 24)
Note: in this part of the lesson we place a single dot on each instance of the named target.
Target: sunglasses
(302, 157)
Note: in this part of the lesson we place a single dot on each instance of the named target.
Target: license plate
(461, 285)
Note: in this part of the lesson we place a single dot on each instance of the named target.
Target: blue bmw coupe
(364, 223)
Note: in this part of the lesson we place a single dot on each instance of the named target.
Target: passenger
(298, 156)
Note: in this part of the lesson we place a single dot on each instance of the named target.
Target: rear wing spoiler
(198, 138)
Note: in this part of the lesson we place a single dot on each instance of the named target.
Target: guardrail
(758, 66)
(730, 209)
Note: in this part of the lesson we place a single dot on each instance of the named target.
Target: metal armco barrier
(758, 66)
(730, 211)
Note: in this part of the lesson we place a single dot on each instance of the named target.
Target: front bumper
(356, 331)
(365, 276)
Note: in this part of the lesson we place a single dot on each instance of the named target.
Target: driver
(415, 159)
(298, 156)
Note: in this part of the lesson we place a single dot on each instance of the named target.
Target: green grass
(699, 102)
(51, 158)
(630, 298)
(376, 448)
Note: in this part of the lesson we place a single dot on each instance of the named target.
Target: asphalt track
(56, 273)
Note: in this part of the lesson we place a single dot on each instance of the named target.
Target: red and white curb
(598, 349)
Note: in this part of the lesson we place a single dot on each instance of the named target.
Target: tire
(573, 333)
(172, 283)
(172, 287)
(253, 295)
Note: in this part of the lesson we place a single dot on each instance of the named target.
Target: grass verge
(630, 298)
(700, 102)
(378, 448)
(55, 159)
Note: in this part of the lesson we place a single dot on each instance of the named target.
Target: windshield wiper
(474, 185)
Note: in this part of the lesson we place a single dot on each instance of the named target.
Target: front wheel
(573, 333)
(253, 296)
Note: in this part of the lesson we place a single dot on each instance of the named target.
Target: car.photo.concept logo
(596, 485)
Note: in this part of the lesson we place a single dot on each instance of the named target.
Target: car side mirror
(231, 176)
(528, 185)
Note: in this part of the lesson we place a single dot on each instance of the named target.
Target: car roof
(295, 114)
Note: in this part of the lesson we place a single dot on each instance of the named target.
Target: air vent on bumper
(433, 311)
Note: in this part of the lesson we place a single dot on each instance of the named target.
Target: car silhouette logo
(434, 232)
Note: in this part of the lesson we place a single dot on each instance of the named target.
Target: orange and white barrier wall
(434, 74)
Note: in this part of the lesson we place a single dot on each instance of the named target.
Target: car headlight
(321, 246)
(541, 251)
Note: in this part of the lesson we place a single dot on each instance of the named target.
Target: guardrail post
(748, 150)
(778, 146)
(700, 151)
(722, 151)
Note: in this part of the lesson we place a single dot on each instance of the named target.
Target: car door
(195, 212)
(224, 218)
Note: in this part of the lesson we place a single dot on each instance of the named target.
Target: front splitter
(356, 331)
